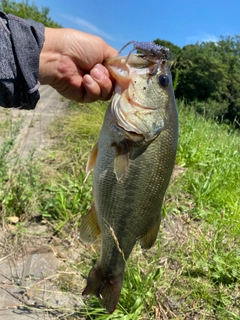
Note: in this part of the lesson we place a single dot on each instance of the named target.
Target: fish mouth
(126, 111)
(121, 68)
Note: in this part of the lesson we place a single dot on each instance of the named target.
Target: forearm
(21, 42)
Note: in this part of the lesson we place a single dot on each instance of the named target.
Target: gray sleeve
(21, 42)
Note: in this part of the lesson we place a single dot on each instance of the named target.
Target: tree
(229, 48)
(212, 80)
(204, 78)
(25, 10)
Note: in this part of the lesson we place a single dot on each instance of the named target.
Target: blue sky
(180, 21)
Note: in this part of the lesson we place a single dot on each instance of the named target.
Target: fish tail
(107, 289)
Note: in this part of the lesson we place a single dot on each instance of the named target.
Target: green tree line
(28, 11)
(207, 75)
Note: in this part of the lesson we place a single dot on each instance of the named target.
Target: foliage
(193, 271)
(28, 11)
(19, 182)
(204, 268)
(212, 156)
(67, 199)
(208, 75)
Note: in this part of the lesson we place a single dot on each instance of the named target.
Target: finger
(98, 86)
(101, 75)
(102, 68)
(92, 89)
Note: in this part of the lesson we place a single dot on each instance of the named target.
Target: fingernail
(88, 79)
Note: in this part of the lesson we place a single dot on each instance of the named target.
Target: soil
(30, 261)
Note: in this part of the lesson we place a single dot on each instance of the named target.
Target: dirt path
(35, 122)
(29, 263)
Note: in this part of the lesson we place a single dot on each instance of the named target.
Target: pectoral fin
(121, 160)
(89, 229)
(149, 238)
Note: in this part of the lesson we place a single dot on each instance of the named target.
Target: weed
(67, 200)
(193, 270)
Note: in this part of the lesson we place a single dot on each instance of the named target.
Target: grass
(193, 270)
(212, 158)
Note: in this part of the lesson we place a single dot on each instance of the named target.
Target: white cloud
(88, 26)
(209, 38)
(202, 37)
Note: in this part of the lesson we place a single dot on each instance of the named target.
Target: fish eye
(163, 80)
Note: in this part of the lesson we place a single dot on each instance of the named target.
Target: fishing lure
(148, 49)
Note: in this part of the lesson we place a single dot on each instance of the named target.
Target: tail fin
(107, 289)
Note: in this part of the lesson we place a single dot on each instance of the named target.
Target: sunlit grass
(193, 270)
(80, 128)
(212, 154)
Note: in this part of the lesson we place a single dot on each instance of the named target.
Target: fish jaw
(121, 68)
(139, 103)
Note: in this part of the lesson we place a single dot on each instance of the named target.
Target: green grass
(19, 181)
(212, 156)
(193, 270)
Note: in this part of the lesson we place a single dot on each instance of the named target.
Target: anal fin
(150, 237)
(89, 229)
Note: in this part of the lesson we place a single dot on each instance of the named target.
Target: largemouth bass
(133, 162)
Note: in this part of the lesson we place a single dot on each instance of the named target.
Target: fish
(132, 163)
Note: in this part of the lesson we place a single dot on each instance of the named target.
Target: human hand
(71, 62)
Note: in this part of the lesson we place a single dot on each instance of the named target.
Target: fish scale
(131, 175)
